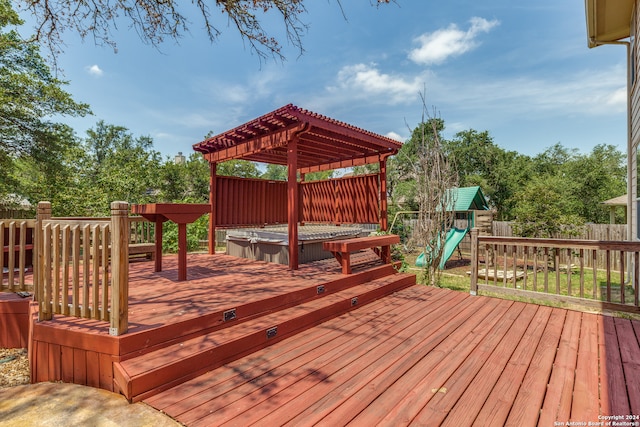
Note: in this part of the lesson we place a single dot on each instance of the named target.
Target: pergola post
(384, 221)
(213, 202)
(293, 208)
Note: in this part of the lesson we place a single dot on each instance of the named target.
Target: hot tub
(271, 244)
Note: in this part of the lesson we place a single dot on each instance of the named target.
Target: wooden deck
(418, 356)
(228, 308)
(426, 356)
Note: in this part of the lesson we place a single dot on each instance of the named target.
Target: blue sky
(520, 70)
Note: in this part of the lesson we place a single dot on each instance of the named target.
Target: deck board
(557, 402)
(630, 356)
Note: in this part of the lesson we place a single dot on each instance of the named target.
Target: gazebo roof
(323, 144)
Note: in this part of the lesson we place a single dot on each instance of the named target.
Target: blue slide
(451, 242)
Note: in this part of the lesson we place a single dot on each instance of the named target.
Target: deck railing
(562, 270)
(82, 266)
(16, 236)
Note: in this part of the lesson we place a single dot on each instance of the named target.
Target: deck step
(167, 366)
(136, 344)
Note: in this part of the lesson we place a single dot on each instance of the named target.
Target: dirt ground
(14, 367)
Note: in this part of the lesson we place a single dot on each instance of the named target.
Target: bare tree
(435, 177)
(157, 20)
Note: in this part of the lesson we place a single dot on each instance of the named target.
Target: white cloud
(395, 136)
(363, 80)
(94, 70)
(440, 45)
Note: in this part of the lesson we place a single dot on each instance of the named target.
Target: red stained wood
(54, 359)
(501, 339)
(330, 371)
(612, 382)
(79, 366)
(342, 249)
(630, 356)
(92, 360)
(498, 404)
(421, 355)
(66, 364)
(525, 409)
(557, 402)
(106, 371)
(41, 369)
(585, 391)
(14, 321)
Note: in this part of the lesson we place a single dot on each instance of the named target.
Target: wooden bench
(146, 249)
(342, 249)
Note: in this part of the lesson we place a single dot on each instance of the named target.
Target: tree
(30, 97)
(542, 211)
(239, 168)
(52, 174)
(157, 20)
(186, 182)
(588, 180)
(111, 164)
(480, 162)
(434, 176)
(402, 167)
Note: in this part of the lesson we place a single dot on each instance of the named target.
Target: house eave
(608, 21)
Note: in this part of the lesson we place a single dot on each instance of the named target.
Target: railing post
(45, 311)
(119, 268)
(474, 261)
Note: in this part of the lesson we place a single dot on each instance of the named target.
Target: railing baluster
(75, 257)
(608, 257)
(569, 272)
(594, 267)
(546, 270)
(622, 277)
(525, 267)
(105, 273)
(2, 226)
(636, 279)
(12, 255)
(22, 255)
(95, 267)
(495, 265)
(581, 273)
(45, 304)
(86, 274)
(515, 266)
(55, 237)
(535, 269)
(556, 258)
(504, 268)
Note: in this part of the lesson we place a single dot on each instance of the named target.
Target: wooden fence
(16, 236)
(564, 270)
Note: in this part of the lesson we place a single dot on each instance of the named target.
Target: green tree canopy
(30, 96)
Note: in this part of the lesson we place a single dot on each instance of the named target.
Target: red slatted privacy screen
(243, 201)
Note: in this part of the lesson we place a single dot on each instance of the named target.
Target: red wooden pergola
(305, 142)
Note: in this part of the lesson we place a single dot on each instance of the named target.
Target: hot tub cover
(306, 233)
